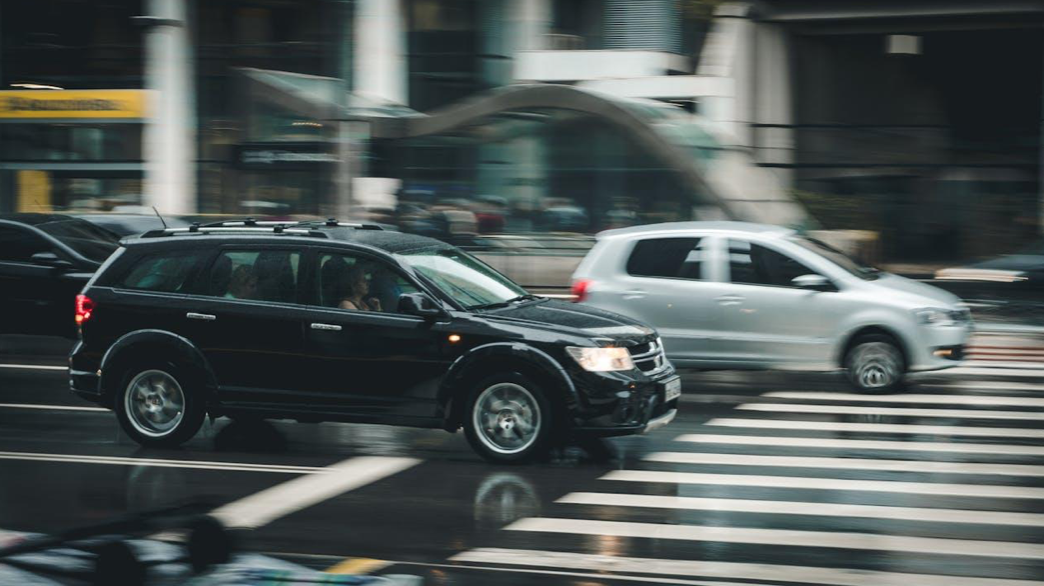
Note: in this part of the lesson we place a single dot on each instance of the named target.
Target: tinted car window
(262, 275)
(18, 245)
(168, 272)
(90, 241)
(675, 258)
(753, 264)
(349, 282)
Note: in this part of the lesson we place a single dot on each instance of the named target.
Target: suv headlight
(601, 359)
(933, 316)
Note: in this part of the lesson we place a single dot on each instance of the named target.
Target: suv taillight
(84, 308)
(579, 290)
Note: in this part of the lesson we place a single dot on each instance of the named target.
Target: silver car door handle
(326, 327)
(202, 316)
(634, 294)
(730, 300)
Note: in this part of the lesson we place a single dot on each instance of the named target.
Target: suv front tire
(156, 409)
(508, 419)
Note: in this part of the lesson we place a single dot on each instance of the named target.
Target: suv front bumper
(630, 406)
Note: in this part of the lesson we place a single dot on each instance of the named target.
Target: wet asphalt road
(763, 479)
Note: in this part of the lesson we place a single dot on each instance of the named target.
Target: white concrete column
(380, 50)
(773, 100)
(169, 142)
(530, 22)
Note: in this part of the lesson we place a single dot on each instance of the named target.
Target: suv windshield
(837, 257)
(467, 280)
(90, 241)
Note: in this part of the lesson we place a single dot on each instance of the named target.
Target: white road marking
(844, 426)
(815, 483)
(919, 466)
(789, 537)
(819, 509)
(122, 461)
(1013, 369)
(988, 386)
(830, 443)
(50, 407)
(34, 366)
(270, 504)
(897, 411)
(771, 573)
(924, 399)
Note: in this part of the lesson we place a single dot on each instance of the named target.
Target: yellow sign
(72, 104)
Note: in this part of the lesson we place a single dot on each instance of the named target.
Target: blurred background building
(915, 122)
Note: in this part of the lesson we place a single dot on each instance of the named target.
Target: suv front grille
(649, 357)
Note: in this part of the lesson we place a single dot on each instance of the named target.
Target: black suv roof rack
(311, 228)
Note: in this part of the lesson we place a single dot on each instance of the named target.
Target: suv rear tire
(508, 419)
(155, 409)
(874, 364)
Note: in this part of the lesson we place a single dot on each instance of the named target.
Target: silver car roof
(667, 227)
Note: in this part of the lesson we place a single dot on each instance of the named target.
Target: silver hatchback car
(727, 295)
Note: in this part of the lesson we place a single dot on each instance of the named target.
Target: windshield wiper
(506, 303)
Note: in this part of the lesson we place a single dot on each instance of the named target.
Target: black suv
(325, 321)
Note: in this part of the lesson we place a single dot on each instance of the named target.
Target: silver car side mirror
(813, 282)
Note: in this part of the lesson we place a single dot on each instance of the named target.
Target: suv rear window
(260, 275)
(673, 258)
(165, 271)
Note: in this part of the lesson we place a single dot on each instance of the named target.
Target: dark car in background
(321, 321)
(123, 224)
(45, 260)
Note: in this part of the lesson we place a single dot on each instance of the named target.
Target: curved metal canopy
(657, 128)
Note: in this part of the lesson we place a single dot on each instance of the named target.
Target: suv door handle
(202, 316)
(326, 327)
(730, 299)
(634, 294)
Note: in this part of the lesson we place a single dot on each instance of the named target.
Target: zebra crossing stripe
(878, 427)
(804, 508)
(792, 538)
(830, 443)
(814, 483)
(772, 573)
(919, 466)
(895, 411)
(924, 399)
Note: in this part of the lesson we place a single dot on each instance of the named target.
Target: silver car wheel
(507, 418)
(876, 365)
(154, 403)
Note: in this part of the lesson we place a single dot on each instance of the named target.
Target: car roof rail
(287, 228)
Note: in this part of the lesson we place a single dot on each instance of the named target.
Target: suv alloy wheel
(155, 409)
(508, 419)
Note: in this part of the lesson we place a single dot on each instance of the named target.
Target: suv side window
(18, 245)
(167, 272)
(357, 283)
(753, 264)
(673, 258)
(261, 275)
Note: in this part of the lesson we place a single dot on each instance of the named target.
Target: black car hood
(1013, 262)
(574, 318)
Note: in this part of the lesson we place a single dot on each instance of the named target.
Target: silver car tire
(875, 364)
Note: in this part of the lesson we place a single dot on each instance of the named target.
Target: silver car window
(751, 263)
(668, 258)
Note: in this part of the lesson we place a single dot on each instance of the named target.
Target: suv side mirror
(813, 283)
(418, 304)
(50, 259)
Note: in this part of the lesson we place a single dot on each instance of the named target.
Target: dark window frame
(728, 250)
(699, 243)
